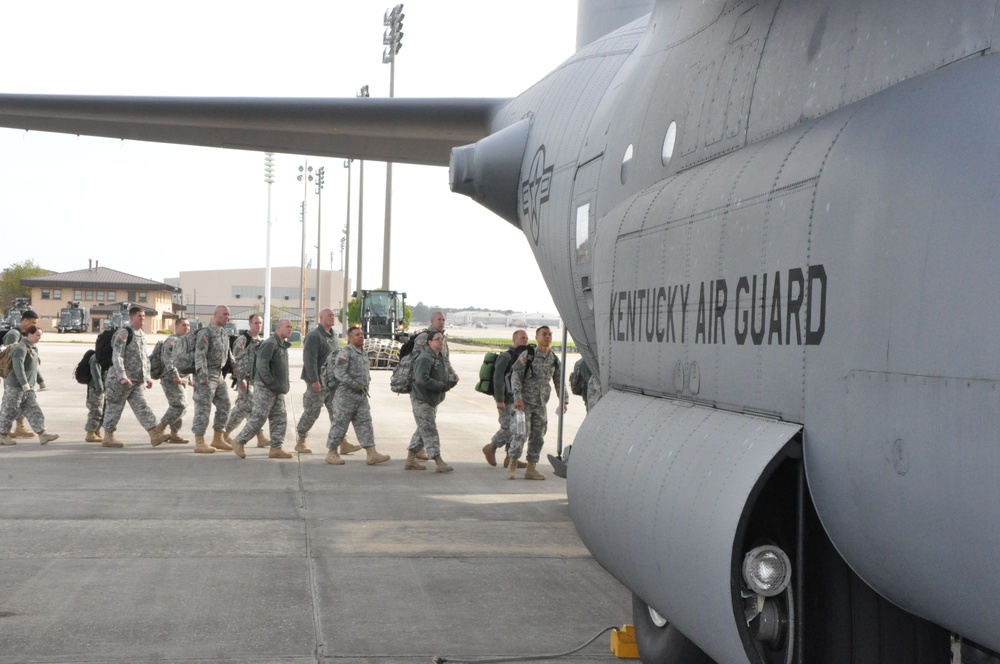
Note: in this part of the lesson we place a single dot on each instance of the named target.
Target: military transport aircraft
(773, 228)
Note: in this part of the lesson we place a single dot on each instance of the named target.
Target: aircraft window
(583, 233)
(627, 163)
(668, 144)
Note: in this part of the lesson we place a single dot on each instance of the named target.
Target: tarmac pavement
(158, 554)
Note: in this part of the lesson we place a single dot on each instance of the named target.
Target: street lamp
(346, 247)
(363, 92)
(269, 179)
(319, 216)
(305, 177)
(393, 40)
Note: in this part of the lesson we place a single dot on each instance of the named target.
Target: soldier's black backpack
(228, 368)
(401, 381)
(103, 349)
(82, 371)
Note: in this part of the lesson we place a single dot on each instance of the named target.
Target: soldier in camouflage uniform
(420, 344)
(211, 352)
(350, 401)
(316, 347)
(244, 355)
(504, 401)
(127, 379)
(28, 318)
(173, 383)
(19, 389)
(430, 382)
(530, 382)
(95, 400)
(269, 390)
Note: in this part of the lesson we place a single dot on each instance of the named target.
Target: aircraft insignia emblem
(535, 191)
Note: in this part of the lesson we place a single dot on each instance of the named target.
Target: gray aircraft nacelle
(775, 229)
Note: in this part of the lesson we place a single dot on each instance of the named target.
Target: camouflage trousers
(242, 408)
(16, 404)
(115, 398)
(205, 396)
(270, 406)
(506, 418)
(426, 435)
(95, 409)
(537, 421)
(349, 407)
(176, 406)
(312, 404)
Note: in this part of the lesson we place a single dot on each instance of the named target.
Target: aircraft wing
(416, 131)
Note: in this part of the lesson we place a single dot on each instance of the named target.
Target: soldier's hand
(519, 404)
(149, 384)
(565, 407)
(26, 388)
(317, 387)
(177, 381)
(501, 405)
(454, 377)
(126, 381)
(41, 387)
(243, 386)
(357, 388)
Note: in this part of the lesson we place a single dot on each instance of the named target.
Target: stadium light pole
(269, 179)
(393, 40)
(320, 173)
(346, 248)
(363, 92)
(305, 177)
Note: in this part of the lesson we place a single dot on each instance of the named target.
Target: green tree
(10, 280)
(421, 312)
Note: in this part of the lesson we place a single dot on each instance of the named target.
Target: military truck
(73, 318)
(382, 314)
(12, 316)
(117, 318)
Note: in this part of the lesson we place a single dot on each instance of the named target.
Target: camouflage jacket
(211, 351)
(531, 384)
(128, 359)
(351, 368)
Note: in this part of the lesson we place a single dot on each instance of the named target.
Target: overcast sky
(155, 210)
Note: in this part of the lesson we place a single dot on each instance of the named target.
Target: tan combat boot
(261, 440)
(93, 436)
(278, 453)
(532, 473)
(442, 467)
(422, 455)
(156, 435)
(226, 437)
(238, 449)
(5, 439)
(45, 438)
(220, 444)
(412, 463)
(176, 438)
(490, 453)
(520, 464)
(511, 469)
(21, 431)
(347, 447)
(110, 440)
(374, 457)
(200, 447)
(300, 445)
(333, 458)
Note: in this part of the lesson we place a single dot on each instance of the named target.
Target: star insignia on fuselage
(535, 191)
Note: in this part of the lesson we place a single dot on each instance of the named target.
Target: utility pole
(305, 177)
(269, 179)
(319, 216)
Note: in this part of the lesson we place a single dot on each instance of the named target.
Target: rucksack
(103, 349)
(156, 361)
(401, 381)
(82, 371)
(184, 353)
(485, 384)
(249, 349)
(326, 375)
(227, 368)
(6, 360)
(577, 381)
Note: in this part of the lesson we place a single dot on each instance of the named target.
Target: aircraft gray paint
(772, 227)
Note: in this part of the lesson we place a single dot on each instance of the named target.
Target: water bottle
(520, 426)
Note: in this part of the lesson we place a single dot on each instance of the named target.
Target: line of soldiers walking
(335, 378)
